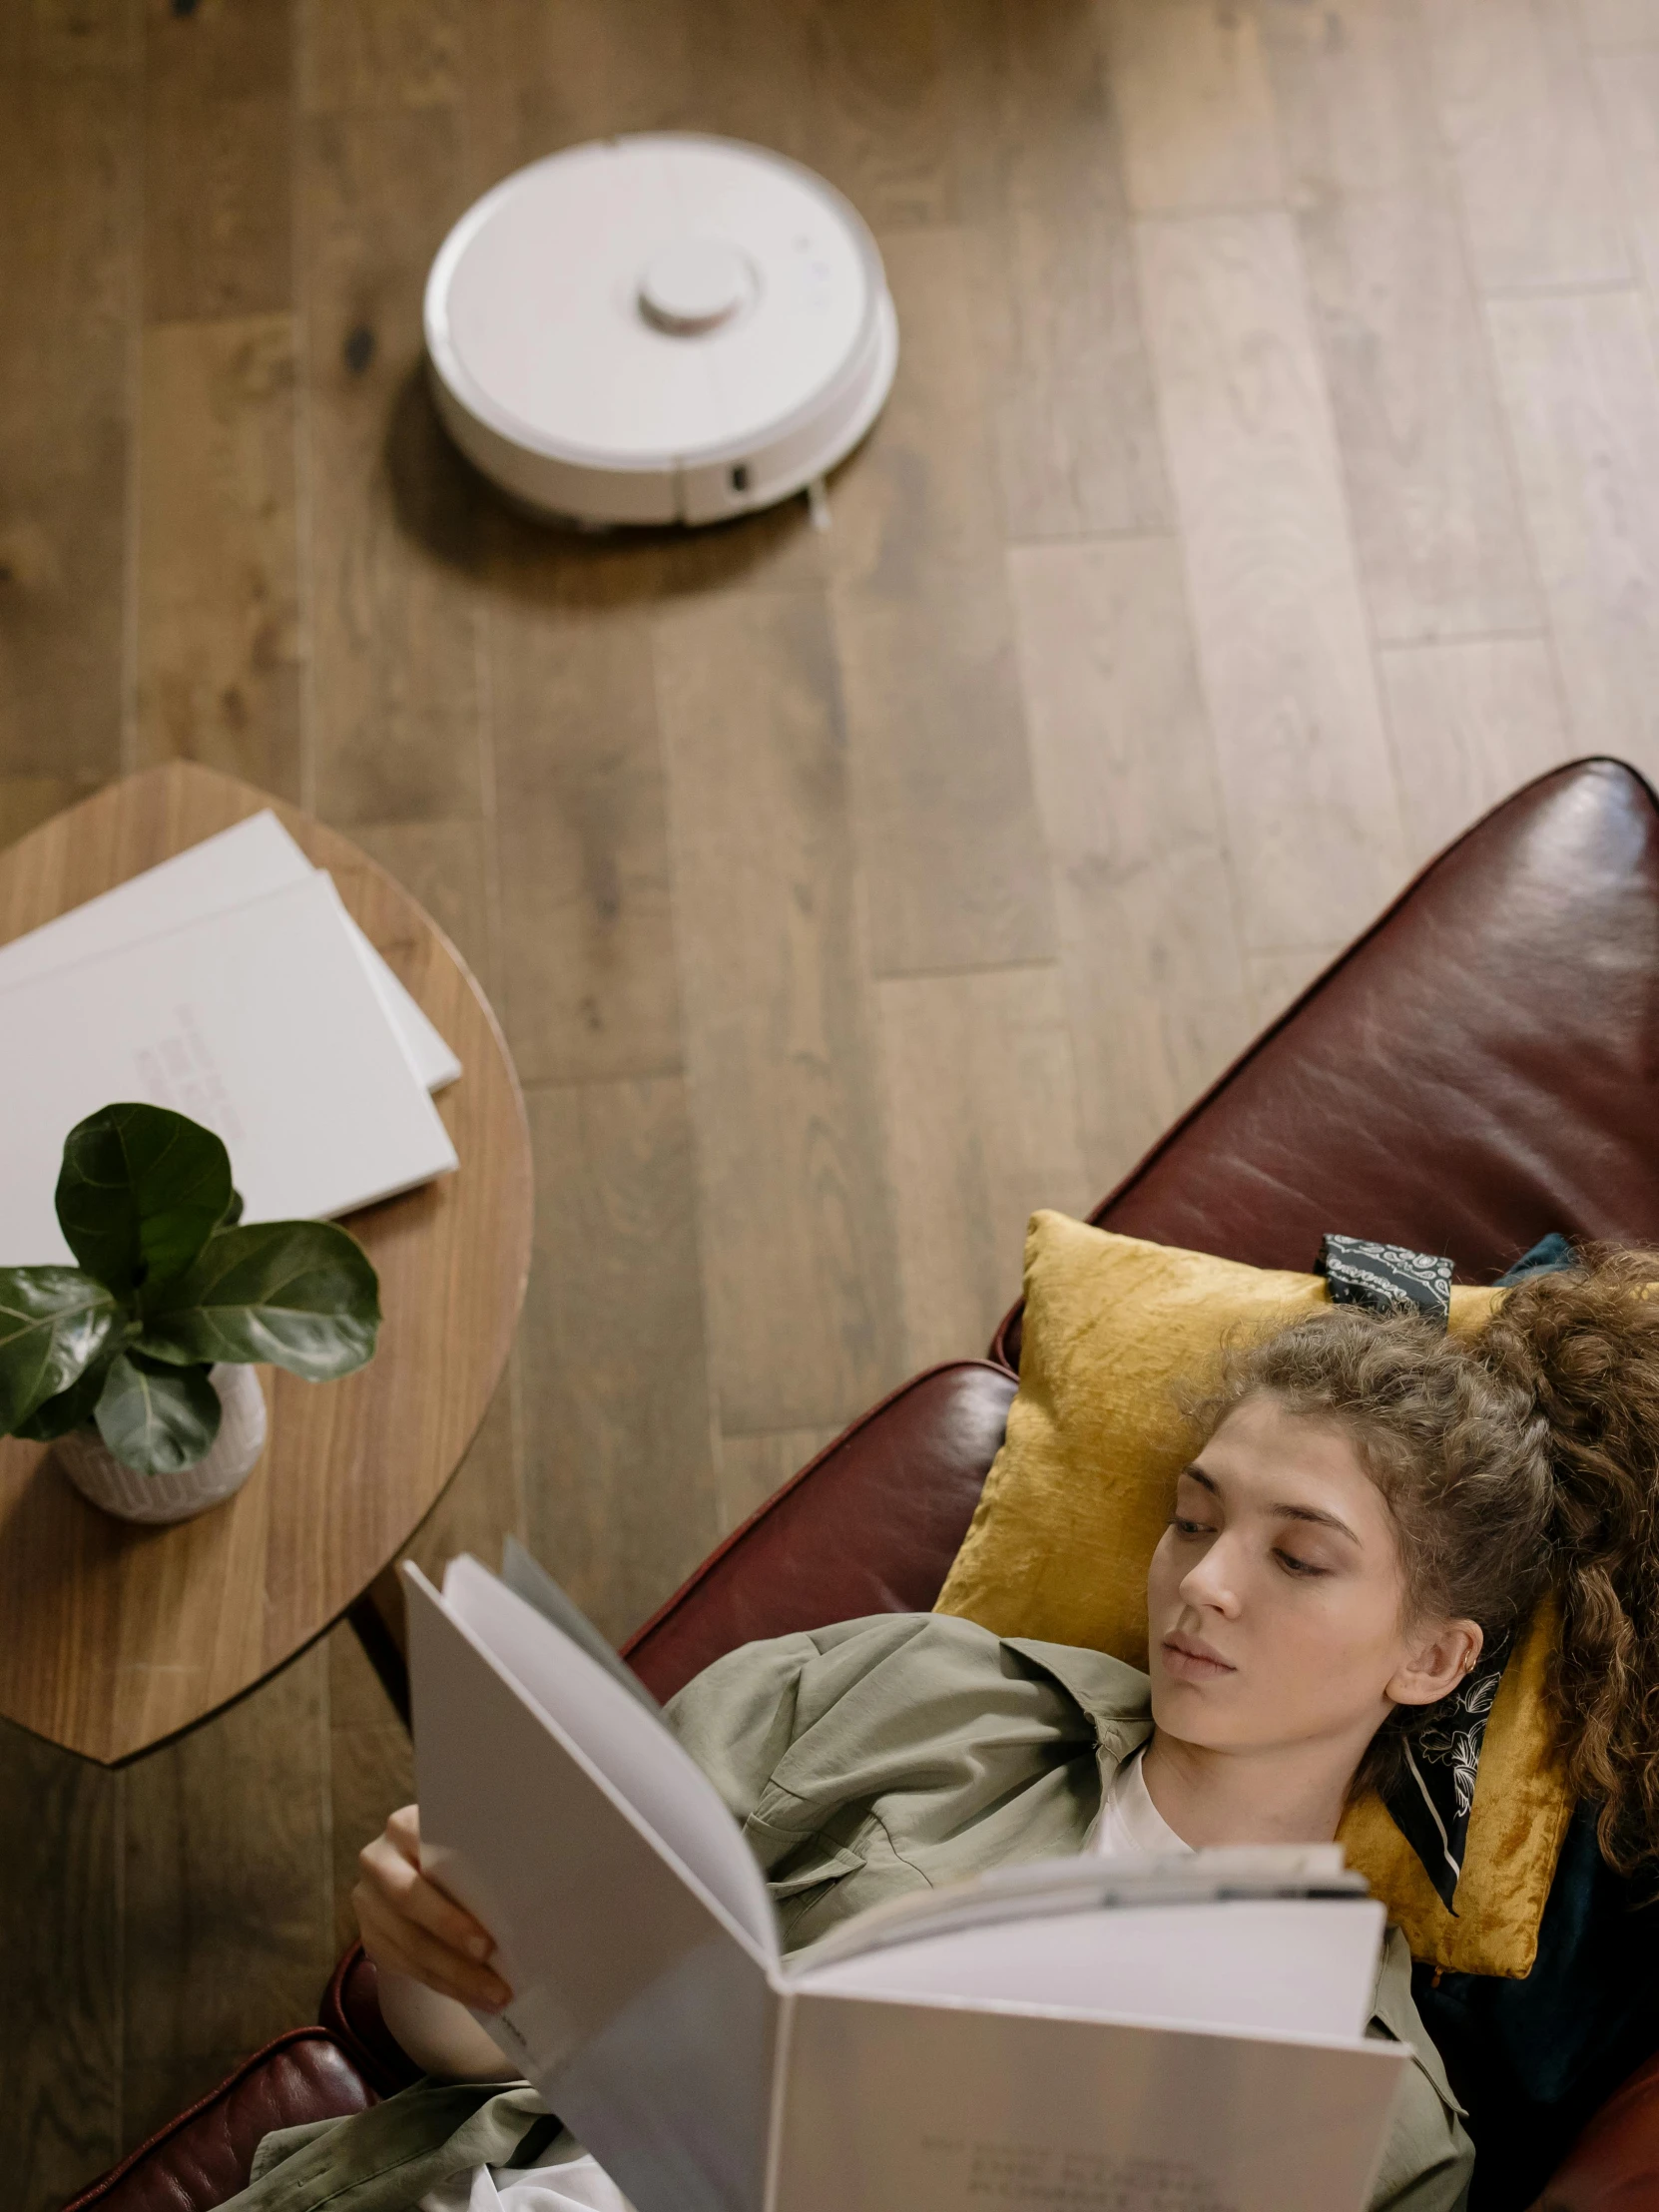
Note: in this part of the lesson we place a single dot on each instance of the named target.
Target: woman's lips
(1189, 1661)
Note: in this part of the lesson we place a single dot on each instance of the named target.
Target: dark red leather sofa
(1480, 1068)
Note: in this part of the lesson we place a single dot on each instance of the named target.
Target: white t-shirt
(573, 2182)
(1128, 1820)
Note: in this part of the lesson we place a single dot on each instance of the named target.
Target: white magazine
(238, 865)
(260, 1022)
(1085, 2033)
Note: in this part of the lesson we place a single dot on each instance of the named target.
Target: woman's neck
(1283, 1794)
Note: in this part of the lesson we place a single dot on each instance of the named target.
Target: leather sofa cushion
(204, 2156)
(1614, 2165)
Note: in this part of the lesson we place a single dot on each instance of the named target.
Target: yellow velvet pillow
(1080, 1493)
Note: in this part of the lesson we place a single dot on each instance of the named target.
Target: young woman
(1374, 1502)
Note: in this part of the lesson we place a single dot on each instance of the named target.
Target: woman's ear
(1436, 1665)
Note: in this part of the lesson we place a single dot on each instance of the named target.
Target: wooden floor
(1272, 482)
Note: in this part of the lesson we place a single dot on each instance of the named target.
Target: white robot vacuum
(666, 327)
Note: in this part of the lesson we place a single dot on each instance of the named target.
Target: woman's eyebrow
(1284, 1513)
(1325, 1520)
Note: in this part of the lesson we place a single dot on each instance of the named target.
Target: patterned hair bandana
(1429, 1799)
(1384, 1276)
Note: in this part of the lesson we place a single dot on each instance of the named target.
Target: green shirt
(865, 1762)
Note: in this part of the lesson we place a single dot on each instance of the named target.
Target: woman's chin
(1181, 1708)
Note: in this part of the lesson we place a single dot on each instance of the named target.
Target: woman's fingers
(411, 1927)
(403, 1830)
(389, 1869)
(403, 1945)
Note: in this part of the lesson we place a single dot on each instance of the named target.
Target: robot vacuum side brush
(659, 328)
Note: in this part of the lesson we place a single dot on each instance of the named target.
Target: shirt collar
(1116, 1698)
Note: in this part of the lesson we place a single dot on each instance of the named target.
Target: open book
(1077, 2035)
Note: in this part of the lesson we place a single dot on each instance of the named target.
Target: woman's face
(1277, 1600)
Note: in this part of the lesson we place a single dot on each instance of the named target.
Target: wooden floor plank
(70, 154)
(1197, 110)
(539, 77)
(922, 492)
(218, 100)
(370, 1770)
(1435, 519)
(450, 869)
(622, 1499)
(60, 1958)
(880, 118)
(982, 1127)
(1520, 119)
(485, 1499)
(218, 580)
(1615, 26)
(1077, 430)
(1126, 781)
(1436, 522)
(752, 1466)
(803, 1315)
(954, 869)
(1577, 377)
(1353, 95)
(227, 1891)
(590, 990)
(1277, 978)
(1469, 724)
(1311, 808)
(361, 56)
(1627, 86)
(393, 511)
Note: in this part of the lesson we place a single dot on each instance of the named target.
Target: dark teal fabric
(1533, 2060)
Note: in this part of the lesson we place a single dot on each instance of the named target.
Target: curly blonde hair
(1519, 1459)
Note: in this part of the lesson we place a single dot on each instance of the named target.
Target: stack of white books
(1075, 2035)
(231, 985)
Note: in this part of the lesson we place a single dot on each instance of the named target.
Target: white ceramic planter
(99, 1476)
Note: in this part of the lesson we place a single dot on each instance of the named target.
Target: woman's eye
(1191, 1528)
(1293, 1565)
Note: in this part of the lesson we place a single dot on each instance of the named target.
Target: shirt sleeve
(738, 1717)
(1428, 2158)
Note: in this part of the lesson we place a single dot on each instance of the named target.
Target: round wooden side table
(115, 1637)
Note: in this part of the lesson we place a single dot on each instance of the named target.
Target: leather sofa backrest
(1482, 1066)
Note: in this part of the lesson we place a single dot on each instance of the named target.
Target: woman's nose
(1211, 1583)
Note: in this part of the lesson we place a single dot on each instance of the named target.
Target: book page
(1260, 1966)
(527, 1578)
(960, 2107)
(630, 1746)
(641, 2011)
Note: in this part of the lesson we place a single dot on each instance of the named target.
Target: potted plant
(139, 1362)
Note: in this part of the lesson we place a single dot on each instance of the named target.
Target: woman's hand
(410, 1926)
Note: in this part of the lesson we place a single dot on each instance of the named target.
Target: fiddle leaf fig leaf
(56, 1416)
(53, 1323)
(157, 1420)
(141, 1192)
(299, 1293)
